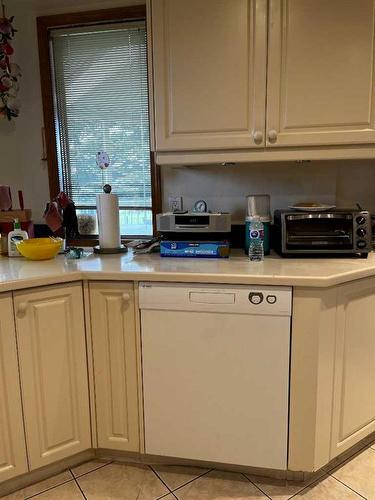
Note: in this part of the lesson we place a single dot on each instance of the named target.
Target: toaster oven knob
(360, 220)
(361, 232)
(361, 244)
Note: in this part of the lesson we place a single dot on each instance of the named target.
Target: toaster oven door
(319, 231)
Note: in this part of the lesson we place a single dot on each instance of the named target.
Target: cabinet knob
(126, 298)
(272, 136)
(258, 137)
(21, 311)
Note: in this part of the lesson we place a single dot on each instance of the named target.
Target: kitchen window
(99, 102)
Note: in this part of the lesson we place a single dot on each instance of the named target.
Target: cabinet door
(13, 461)
(53, 364)
(354, 381)
(115, 365)
(320, 72)
(209, 68)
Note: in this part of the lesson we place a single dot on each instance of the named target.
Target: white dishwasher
(215, 366)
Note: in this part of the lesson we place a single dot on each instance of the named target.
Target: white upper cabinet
(320, 72)
(231, 76)
(13, 461)
(209, 72)
(53, 365)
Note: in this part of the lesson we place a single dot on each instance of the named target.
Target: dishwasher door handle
(212, 297)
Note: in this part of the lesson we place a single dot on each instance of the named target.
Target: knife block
(10, 215)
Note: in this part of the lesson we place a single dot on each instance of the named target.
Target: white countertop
(17, 273)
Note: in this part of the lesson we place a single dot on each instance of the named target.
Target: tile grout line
(161, 480)
(354, 454)
(44, 491)
(349, 487)
(256, 486)
(166, 495)
(311, 485)
(50, 488)
(321, 479)
(80, 489)
(90, 471)
(192, 480)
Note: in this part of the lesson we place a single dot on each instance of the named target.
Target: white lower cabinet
(13, 461)
(45, 404)
(53, 365)
(115, 365)
(354, 381)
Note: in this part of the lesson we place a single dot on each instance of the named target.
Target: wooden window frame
(44, 25)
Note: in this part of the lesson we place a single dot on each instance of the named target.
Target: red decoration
(9, 72)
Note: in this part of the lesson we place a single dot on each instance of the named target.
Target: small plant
(87, 224)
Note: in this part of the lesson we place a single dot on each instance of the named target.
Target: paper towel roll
(108, 220)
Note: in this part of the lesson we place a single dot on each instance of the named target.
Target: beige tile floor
(100, 480)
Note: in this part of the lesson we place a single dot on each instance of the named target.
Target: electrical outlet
(175, 203)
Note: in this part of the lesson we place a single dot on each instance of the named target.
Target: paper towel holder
(120, 249)
(107, 188)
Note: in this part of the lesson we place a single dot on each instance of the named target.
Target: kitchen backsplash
(342, 183)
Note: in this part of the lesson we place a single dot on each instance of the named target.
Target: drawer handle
(21, 311)
(272, 136)
(126, 298)
(258, 137)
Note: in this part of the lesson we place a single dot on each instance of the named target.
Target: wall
(223, 188)
(21, 140)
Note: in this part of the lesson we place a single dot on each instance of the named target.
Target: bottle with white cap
(14, 237)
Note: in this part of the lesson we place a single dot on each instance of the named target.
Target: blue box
(205, 249)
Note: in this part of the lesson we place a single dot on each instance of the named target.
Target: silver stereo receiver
(193, 222)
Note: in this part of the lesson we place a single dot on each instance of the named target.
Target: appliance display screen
(192, 220)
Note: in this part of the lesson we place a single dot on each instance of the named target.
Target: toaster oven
(322, 233)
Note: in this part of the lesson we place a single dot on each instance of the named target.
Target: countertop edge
(173, 277)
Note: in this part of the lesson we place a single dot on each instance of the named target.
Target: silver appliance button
(271, 299)
(256, 297)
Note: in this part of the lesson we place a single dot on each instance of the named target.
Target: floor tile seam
(192, 480)
(90, 471)
(167, 495)
(161, 480)
(48, 489)
(310, 485)
(80, 489)
(350, 487)
(321, 479)
(256, 486)
(350, 457)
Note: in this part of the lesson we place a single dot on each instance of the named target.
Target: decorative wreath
(9, 72)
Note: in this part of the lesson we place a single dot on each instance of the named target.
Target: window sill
(92, 242)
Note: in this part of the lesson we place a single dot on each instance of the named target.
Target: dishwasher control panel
(235, 299)
(258, 297)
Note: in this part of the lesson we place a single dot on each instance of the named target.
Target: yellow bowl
(40, 248)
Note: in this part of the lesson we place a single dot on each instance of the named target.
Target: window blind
(101, 104)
